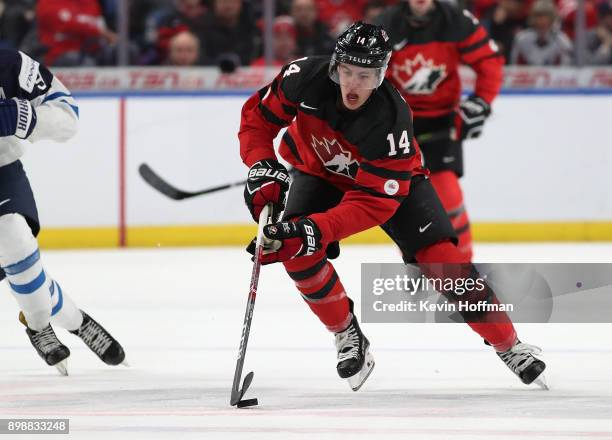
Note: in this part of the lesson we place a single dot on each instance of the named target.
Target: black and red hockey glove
(268, 182)
(470, 117)
(286, 240)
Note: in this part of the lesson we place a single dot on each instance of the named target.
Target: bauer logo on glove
(286, 240)
(268, 182)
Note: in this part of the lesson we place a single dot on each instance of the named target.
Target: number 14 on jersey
(404, 143)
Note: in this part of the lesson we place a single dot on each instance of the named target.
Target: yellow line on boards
(241, 234)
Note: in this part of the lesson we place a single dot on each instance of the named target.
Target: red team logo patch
(334, 157)
(418, 76)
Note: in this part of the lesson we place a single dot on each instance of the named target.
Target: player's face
(356, 84)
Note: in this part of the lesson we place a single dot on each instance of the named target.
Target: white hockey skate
(355, 362)
(521, 360)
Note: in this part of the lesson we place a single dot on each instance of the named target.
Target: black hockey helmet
(363, 45)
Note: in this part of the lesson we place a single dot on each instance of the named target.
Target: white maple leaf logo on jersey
(418, 76)
(334, 157)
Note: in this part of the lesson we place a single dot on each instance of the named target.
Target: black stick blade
(161, 185)
(247, 402)
(237, 395)
(153, 179)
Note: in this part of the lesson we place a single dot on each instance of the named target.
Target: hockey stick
(161, 185)
(238, 393)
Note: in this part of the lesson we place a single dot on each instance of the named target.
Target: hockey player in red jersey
(350, 139)
(430, 38)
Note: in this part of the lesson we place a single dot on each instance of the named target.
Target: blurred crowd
(228, 33)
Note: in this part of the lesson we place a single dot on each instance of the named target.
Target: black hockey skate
(100, 341)
(521, 360)
(53, 352)
(355, 362)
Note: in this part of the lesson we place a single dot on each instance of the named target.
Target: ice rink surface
(179, 312)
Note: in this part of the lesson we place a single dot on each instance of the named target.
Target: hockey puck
(247, 402)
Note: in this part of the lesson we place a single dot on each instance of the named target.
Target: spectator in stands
(184, 50)
(373, 9)
(313, 36)
(542, 44)
(73, 31)
(229, 36)
(163, 24)
(567, 14)
(284, 43)
(504, 21)
(16, 17)
(599, 40)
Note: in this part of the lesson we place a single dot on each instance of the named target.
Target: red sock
(318, 282)
(499, 332)
(447, 186)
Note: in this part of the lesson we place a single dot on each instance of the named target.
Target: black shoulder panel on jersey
(10, 60)
(393, 21)
(297, 75)
(448, 24)
(386, 113)
(23, 77)
(461, 23)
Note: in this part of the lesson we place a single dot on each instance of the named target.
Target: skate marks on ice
(437, 412)
(413, 393)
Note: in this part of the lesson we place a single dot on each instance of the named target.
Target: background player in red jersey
(430, 39)
(357, 165)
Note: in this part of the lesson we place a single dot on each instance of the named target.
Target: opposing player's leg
(424, 233)
(40, 297)
(20, 260)
(446, 184)
(320, 286)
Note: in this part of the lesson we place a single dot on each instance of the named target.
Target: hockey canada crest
(418, 76)
(334, 157)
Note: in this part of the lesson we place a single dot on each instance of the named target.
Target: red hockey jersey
(370, 154)
(425, 61)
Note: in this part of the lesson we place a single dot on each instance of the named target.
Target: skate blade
(541, 382)
(357, 380)
(62, 367)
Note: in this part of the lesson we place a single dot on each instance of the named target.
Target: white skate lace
(46, 340)
(520, 356)
(95, 337)
(347, 344)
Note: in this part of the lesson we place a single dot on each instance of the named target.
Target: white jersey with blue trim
(56, 110)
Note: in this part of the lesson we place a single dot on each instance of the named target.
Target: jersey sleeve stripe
(288, 139)
(271, 117)
(290, 110)
(307, 273)
(262, 92)
(474, 46)
(74, 108)
(385, 173)
(55, 96)
(474, 37)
